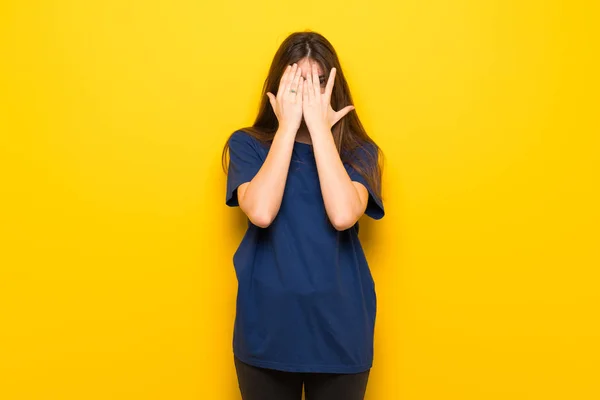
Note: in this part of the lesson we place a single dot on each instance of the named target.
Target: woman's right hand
(288, 105)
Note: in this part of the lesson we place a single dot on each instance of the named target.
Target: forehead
(305, 66)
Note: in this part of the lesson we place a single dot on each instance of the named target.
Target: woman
(304, 174)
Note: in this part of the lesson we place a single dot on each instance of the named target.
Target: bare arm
(345, 200)
(260, 198)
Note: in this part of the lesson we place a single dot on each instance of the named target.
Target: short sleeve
(244, 162)
(375, 208)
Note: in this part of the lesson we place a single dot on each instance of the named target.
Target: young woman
(304, 174)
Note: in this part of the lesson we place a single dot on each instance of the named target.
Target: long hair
(349, 134)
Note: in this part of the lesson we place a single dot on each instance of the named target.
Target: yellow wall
(117, 279)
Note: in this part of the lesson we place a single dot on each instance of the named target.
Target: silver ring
(292, 90)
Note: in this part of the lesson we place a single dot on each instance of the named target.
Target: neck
(303, 135)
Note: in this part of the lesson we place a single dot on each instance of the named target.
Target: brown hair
(349, 135)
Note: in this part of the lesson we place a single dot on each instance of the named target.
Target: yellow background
(116, 262)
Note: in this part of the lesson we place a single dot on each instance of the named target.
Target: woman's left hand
(316, 106)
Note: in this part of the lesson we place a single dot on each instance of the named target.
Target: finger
(316, 80)
(283, 80)
(300, 90)
(342, 113)
(289, 79)
(273, 102)
(309, 86)
(295, 82)
(329, 86)
(305, 87)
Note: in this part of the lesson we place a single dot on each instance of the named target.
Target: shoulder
(244, 143)
(240, 136)
(369, 150)
(365, 153)
(241, 139)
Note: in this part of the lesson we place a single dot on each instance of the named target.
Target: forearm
(340, 196)
(262, 196)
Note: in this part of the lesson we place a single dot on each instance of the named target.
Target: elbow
(343, 222)
(259, 216)
(261, 219)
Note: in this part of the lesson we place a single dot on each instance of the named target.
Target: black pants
(268, 384)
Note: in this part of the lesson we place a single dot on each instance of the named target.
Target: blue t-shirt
(306, 298)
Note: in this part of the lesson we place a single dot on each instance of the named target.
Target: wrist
(286, 130)
(319, 130)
